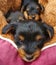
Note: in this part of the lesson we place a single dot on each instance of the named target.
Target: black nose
(29, 58)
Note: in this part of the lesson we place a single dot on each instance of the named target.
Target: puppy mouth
(28, 57)
(35, 17)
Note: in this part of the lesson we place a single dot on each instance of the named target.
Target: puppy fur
(49, 16)
(30, 36)
(15, 16)
(32, 9)
(3, 22)
(6, 5)
(43, 2)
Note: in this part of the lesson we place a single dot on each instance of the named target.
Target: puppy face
(15, 16)
(33, 11)
(30, 37)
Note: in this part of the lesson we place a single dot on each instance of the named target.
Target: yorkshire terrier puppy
(30, 36)
(14, 16)
(32, 9)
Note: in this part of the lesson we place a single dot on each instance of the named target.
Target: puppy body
(15, 16)
(30, 36)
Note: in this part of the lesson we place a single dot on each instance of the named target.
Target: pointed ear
(50, 30)
(8, 28)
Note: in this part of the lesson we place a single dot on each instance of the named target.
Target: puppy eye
(21, 38)
(38, 37)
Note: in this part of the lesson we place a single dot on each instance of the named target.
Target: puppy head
(15, 16)
(30, 37)
(33, 11)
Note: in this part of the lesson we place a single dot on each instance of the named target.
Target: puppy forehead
(32, 5)
(29, 26)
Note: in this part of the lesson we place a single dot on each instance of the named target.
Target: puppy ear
(9, 19)
(8, 28)
(26, 14)
(23, 8)
(50, 30)
(42, 8)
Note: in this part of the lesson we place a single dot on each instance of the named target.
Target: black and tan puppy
(15, 16)
(32, 9)
(30, 36)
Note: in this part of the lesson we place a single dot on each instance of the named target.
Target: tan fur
(6, 5)
(2, 24)
(49, 16)
(43, 2)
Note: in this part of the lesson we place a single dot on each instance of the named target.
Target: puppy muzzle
(35, 17)
(29, 57)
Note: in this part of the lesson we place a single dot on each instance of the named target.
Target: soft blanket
(9, 54)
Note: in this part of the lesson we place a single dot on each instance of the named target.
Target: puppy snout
(29, 51)
(29, 57)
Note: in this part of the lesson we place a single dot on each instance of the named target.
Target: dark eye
(38, 37)
(21, 38)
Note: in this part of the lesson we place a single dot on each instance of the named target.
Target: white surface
(11, 42)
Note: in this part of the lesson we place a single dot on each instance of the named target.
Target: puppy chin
(34, 58)
(28, 60)
(24, 56)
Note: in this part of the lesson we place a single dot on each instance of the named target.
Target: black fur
(15, 16)
(30, 29)
(32, 6)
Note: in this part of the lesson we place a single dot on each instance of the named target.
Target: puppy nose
(29, 58)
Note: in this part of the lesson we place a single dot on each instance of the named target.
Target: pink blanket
(9, 55)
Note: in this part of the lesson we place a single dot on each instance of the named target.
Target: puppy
(30, 36)
(14, 16)
(32, 9)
